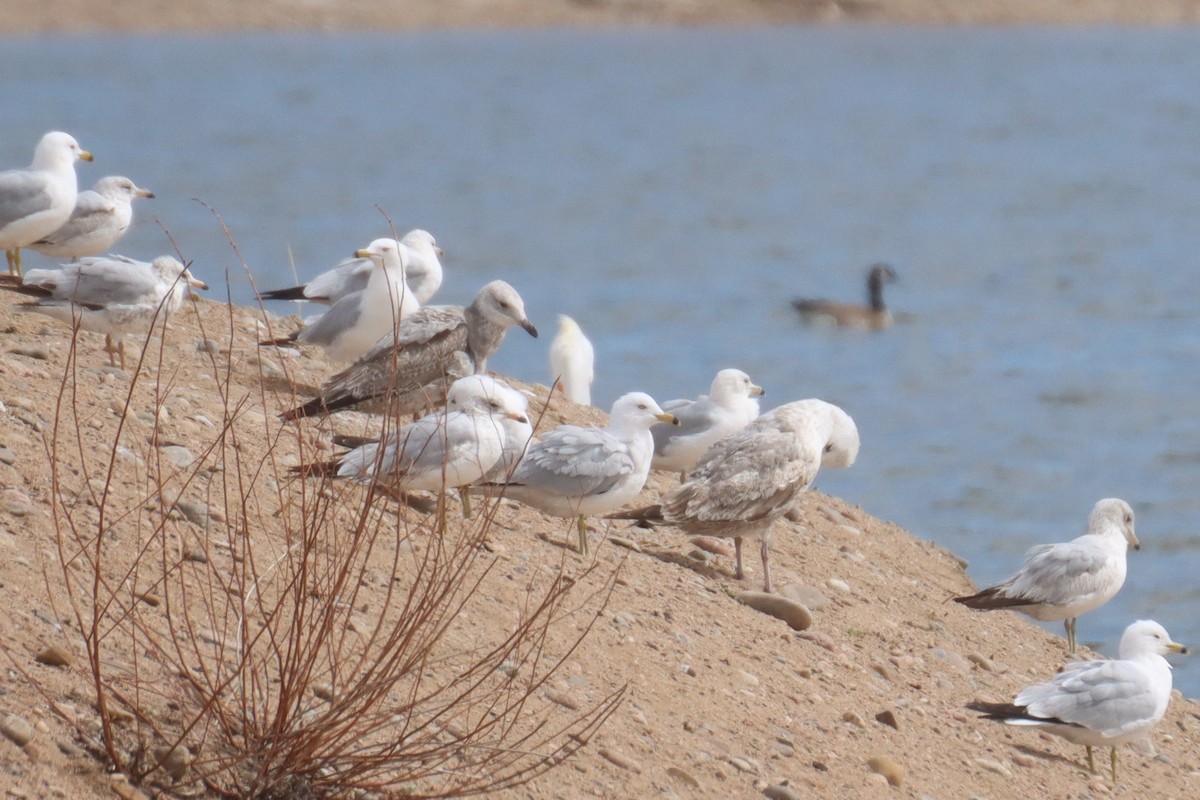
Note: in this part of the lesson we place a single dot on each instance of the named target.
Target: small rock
(178, 455)
(808, 596)
(323, 691)
(7, 456)
(196, 556)
(563, 699)
(794, 614)
(889, 768)
(54, 656)
(39, 352)
(17, 730)
(620, 759)
(174, 761)
(854, 719)
(883, 671)
(195, 513)
(837, 584)
(781, 792)
(742, 765)
(1022, 760)
(888, 717)
(994, 766)
(983, 662)
(818, 638)
(628, 544)
(683, 777)
(713, 545)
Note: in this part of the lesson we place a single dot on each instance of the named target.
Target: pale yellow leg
(465, 496)
(581, 524)
(1091, 763)
(1069, 624)
(14, 260)
(1113, 756)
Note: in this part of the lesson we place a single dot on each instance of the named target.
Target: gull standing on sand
(1100, 703)
(518, 432)
(874, 315)
(101, 216)
(450, 448)
(751, 478)
(357, 320)
(422, 350)
(113, 295)
(572, 361)
(730, 405)
(36, 201)
(422, 273)
(1062, 581)
(578, 472)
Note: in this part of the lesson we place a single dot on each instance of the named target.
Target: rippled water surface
(1036, 190)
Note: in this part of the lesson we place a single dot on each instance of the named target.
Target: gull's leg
(110, 349)
(581, 525)
(737, 551)
(766, 559)
(465, 496)
(13, 256)
(1113, 756)
(1091, 763)
(121, 351)
(1069, 624)
(683, 476)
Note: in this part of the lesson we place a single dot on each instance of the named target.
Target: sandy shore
(137, 16)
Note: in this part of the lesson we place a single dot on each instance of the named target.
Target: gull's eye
(642, 406)
(1129, 518)
(503, 304)
(829, 447)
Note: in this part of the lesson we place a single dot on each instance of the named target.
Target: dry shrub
(275, 637)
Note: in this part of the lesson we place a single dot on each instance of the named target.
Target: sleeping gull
(874, 315)
(577, 472)
(751, 478)
(357, 320)
(420, 352)
(730, 405)
(101, 216)
(422, 273)
(36, 201)
(113, 295)
(1100, 703)
(452, 447)
(572, 361)
(518, 432)
(1062, 581)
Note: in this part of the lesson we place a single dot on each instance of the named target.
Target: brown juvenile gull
(730, 405)
(751, 478)
(1100, 703)
(102, 215)
(422, 272)
(36, 201)
(874, 315)
(1062, 581)
(578, 472)
(357, 320)
(420, 350)
(113, 295)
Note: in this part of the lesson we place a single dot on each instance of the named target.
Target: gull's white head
(118, 186)
(1147, 636)
(170, 269)
(57, 148)
(385, 253)
(841, 449)
(485, 392)
(733, 384)
(423, 242)
(1113, 516)
(637, 411)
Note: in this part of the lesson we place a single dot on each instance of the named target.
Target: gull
(751, 478)
(357, 320)
(730, 405)
(874, 315)
(1100, 703)
(572, 361)
(422, 273)
(518, 432)
(113, 295)
(102, 215)
(1062, 581)
(36, 201)
(578, 472)
(450, 448)
(421, 349)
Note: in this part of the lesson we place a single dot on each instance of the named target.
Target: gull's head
(170, 270)
(500, 303)
(1112, 515)
(385, 253)
(637, 410)
(841, 448)
(57, 148)
(1147, 636)
(733, 383)
(423, 242)
(485, 392)
(120, 186)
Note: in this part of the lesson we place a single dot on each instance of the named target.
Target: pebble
(808, 596)
(563, 699)
(883, 671)
(781, 792)
(620, 759)
(838, 585)
(683, 777)
(628, 544)
(794, 614)
(17, 730)
(1022, 760)
(994, 766)
(818, 638)
(40, 352)
(983, 662)
(889, 768)
(195, 513)
(854, 719)
(178, 455)
(712, 544)
(742, 765)
(174, 761)
(54, 656)
(7, 456)
(888, 717)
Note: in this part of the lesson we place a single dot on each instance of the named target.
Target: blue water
(1036, 190)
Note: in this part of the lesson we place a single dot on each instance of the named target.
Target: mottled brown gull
(730, 405)
(751, 478)
(1065, 580)
(1100, 703)
(422, 272)
(113, 295)
(578, 472)
(101, 216)
(36, 201)
(421, 349)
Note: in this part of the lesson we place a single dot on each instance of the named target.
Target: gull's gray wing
(1110, 697)
(22, 192)
(1061, 573)
(93, 211)
(341, 316)
(350, 275)
(573, 462)
(100, 281)
(695, 417)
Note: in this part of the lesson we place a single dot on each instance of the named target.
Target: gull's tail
(651, 513)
